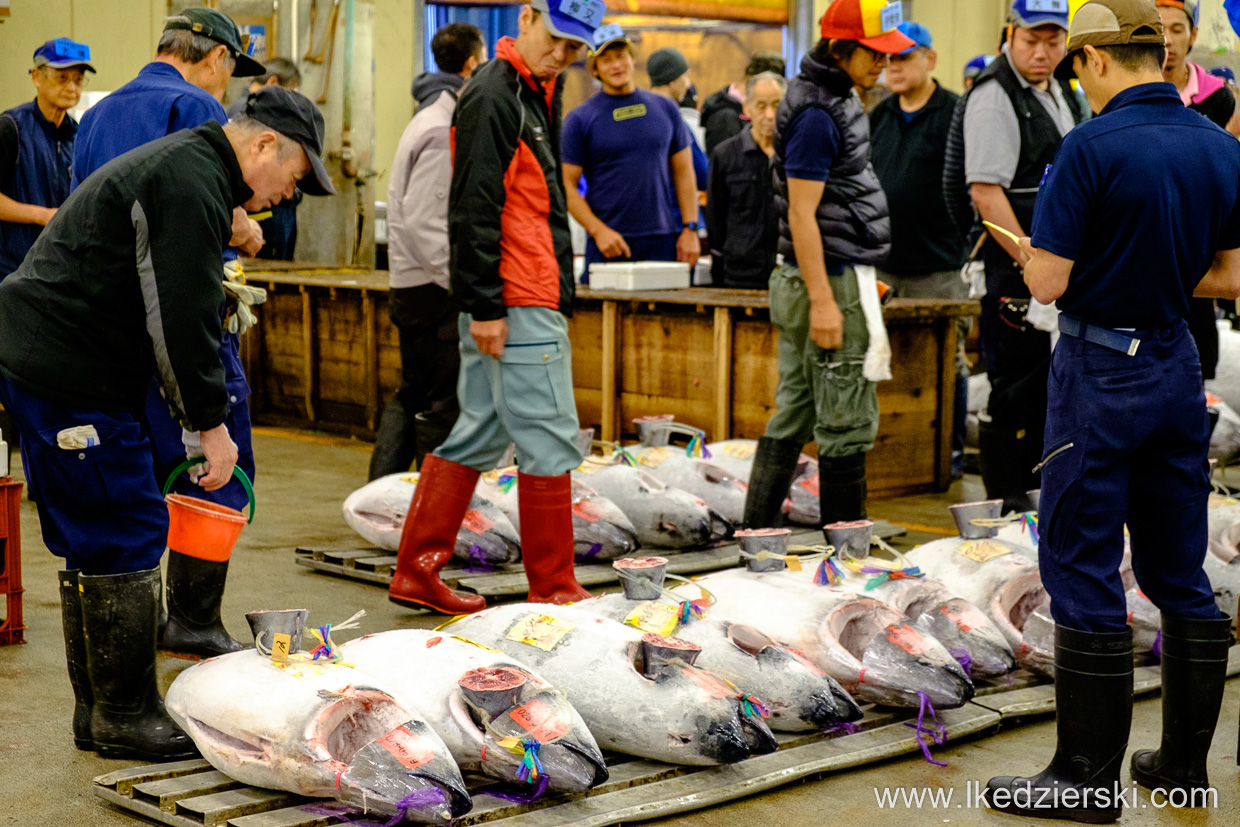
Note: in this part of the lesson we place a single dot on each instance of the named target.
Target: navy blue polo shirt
(35, 161)
(156, 103)
(1140, 198)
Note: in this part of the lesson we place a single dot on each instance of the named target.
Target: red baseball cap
(872, 23)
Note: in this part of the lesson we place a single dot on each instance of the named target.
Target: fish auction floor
(302, 481)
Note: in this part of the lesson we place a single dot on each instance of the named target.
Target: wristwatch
(690, 225)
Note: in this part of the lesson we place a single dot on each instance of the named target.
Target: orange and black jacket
(507, 215)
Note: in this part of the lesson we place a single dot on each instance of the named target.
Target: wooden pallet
(193, 794)
(373, 565)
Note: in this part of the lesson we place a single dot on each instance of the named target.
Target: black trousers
(425, 318)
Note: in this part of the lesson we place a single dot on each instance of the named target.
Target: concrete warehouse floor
(302, 481)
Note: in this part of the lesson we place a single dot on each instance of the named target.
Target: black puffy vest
(852, 215)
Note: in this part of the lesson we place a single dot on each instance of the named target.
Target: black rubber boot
(1093, 703)
(432, 432)
(774, 465)
(195, 590)
(395, 441)
(841, 488)
(75, 657)
(1006, 465)
(128, 719)
(1194, 670)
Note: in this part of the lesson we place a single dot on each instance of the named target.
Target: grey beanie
(665, 65)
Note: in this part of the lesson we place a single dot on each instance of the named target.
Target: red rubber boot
(439, 504)
(547, 538)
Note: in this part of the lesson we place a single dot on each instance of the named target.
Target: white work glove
(241, 297)
(192, 440)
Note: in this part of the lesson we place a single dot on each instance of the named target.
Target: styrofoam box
(639, 275)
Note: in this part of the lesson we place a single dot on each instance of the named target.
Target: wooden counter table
(325, 353)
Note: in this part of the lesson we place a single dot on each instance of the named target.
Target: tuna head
(527, 716)
(967, 634)
(1037, 648)
(402, 769)
(601, 531)
(808, 695)
(719, 724)
(684, 520)
(894, 663)
(487, 537)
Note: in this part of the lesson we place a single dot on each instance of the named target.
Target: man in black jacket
(723, 112)
(744, 231)
(124, 285)
(908, 139)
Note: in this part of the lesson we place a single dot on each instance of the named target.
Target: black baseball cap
(296, 118)
(214, 24)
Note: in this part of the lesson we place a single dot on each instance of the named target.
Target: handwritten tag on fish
(280, 644)
(587, 511)
(738, 450)
(653, 457)
(540, 721)
(652, 616)
(1218, 501)
(810, 484)
(908, 639)
(540, 631)
(979, 551)
(409, 749)
(476, 523)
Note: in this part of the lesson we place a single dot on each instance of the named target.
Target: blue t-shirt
(811, 146)
(156, 103)
(624, 144)
(1140, 198)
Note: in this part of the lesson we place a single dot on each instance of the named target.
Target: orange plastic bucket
(202, 529)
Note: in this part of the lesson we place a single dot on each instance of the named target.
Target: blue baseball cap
(975, 66)
(919, 34)
(62, 53)
(1030, 14)
(573, 19)
(1224, 72)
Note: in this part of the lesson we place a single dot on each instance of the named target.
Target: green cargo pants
(822, 393)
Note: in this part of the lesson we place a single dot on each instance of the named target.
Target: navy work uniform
(158, 102)
(1140, 199)
(36, 155)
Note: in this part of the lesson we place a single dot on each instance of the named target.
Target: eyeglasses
(877, 57)
(65, 77)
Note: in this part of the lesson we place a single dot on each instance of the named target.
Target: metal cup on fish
(850, 538)
(965, 513)
(1034, 496)
(266, 623)
(641, 578)
(654, 431)
(764, 549)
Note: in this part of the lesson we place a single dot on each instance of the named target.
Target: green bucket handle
(237, 472)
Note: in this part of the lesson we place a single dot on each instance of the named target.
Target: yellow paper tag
(653, 457)
(652, 616)
(739, 450)
(1219, 501)
(412, 479)
(982, 550)
(540, 631)
(280, 644)
(793, 562)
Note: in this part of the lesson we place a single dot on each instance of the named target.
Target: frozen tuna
(872, 650)
(317, 729)
(601, 531)
(717, 487)
(644, 698)
(484, 705)
(377, 511)
(663, 516)
(803, 506)
(799, 695)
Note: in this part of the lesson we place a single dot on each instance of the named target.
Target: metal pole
(802, 32)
